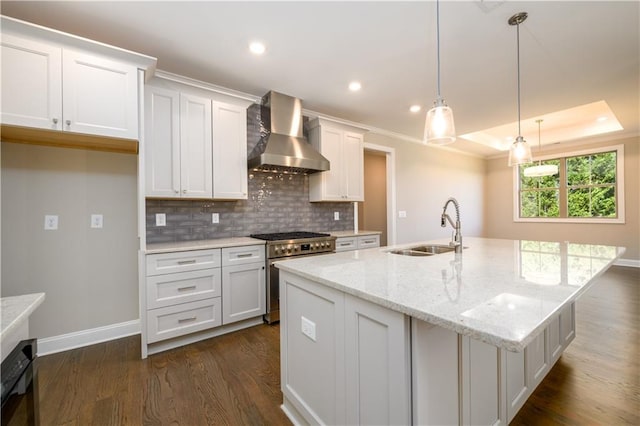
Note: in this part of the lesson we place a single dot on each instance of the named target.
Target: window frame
(620, 194)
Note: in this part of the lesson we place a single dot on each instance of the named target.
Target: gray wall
(425, 178)
(89, 275)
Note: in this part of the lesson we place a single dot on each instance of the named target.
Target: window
(587, 188)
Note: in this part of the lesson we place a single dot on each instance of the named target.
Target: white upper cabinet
(162, 147)
(178, 144)
(31, 83)
(100, 96)
(47, 86)
(195, 147)
(343, 146)
(229, 151)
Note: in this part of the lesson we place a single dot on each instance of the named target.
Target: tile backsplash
(277, 202)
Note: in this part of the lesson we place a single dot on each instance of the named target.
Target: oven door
(19, 373)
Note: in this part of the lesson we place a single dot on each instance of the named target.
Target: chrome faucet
(456, 239)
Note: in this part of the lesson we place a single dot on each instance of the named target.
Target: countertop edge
(201, 245)
(29, 303)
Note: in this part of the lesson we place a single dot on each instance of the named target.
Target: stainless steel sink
(424, 250)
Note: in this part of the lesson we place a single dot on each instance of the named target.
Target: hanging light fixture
(540, 170)
(439, 128)
(520, 151)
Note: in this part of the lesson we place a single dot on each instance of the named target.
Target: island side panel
(312, 350)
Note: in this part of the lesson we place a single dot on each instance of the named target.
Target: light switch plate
(308, 328)
(215, 217)
(161, 219)
(402, 213)
(96, 221)
(336, 215)
(51, 222)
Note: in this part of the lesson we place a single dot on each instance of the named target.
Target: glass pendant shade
(520, 152)
(541, 170)
(439, 127)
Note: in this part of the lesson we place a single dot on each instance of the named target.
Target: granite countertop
(16, 310)
(202, 244)
(502, 292)
(340, 234)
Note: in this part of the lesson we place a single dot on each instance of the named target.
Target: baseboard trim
(78, 339)
(632, 263)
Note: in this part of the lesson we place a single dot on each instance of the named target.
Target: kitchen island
(375, 337)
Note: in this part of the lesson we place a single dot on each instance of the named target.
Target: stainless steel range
(284, 245)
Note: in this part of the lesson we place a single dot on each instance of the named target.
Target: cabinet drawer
(242, 255)
(171, 289)
(177, 320)
(346, 243)
(368, 241)
(182, 261)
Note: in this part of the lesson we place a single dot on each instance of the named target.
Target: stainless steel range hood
(284, 148)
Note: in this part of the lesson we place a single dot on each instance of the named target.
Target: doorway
(376, 212)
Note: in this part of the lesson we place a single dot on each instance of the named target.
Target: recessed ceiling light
(415, 108)
(257, 48)
(354, 86)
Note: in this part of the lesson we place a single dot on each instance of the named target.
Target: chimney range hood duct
(284, 148)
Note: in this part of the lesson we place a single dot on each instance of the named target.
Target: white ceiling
(572, 53)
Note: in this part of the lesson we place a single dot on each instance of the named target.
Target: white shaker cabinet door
(353, 166)
(100, 96)
(162, 142)
(229, 152)
(243, 292)
(31, 83)
(196, 176)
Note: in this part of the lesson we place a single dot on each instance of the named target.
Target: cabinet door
(353, 166)
(229, 152)
(31, 84)
(332, 180)
(518, 386)
(100, 96)
(378, 378)
(243, 292)
(162, 149)
(195, 147)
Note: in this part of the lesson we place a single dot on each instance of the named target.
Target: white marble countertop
(202, 244)
(16, 310)
(502, 292)
(340, 234)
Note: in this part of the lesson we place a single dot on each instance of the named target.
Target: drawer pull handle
(368, 241)
(186, 262)
(244, 255)
(182, 320)
(344, 244)
(191, 287)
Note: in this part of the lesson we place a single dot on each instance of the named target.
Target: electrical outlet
(161, 219)
(308, 328)
(215, 217)
(336, 215)
(96, 220)
(51, 222)
(402, 213)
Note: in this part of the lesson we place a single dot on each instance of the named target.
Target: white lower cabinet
(191, 295)
(177, 320)
(344, 360)
(244, 292)
(357, 242)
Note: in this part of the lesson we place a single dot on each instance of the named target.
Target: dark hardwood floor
(235, 379)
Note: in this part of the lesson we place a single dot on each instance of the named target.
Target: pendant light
(439, 128)
(540, 170)
(520, 151)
